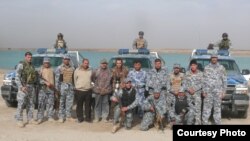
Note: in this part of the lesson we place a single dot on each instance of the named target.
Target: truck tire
(243, 114)
(10, 104)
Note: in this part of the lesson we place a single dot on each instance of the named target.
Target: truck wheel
(243, 114)
(10, 104)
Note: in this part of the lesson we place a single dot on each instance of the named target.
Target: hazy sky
(184, 24)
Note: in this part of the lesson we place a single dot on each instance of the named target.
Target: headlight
(241, 89)
(7, 82)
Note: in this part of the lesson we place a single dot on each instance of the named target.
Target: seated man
(181, 108)
(155, 108)
(60, 42)
(127, 101)
(140, 42)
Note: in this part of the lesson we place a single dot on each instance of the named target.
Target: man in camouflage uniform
(153, 106)
(214, 87)
(140, 42)
(46, 93)
(102, 89)
(60, 42)
(157, 77)
(119, 73)
(138, 78)
(64, 83)
(126, 99)
(173, 85)
(225, 43)
(192, 84)
(26, 77)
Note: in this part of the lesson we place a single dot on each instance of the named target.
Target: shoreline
(160, 50)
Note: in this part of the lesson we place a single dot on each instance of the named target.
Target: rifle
(158, 119)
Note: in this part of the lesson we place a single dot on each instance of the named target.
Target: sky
(86, 24)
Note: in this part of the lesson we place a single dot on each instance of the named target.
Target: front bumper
(9, 93)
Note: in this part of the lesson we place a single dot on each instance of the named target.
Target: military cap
(104, 61)
(46, 60)
(214, 56)
(141, 33)
(157, 91)
(66, 57)
(177, 66)
(127, 80)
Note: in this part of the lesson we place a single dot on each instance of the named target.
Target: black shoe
(79, 121)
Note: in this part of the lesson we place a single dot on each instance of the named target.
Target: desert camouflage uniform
(66, 88)
(194, 81)
(140, 43)
(157, 79)
(25, 77)
(214, 85)
(149, 116)
(46, 94)
(174, 83)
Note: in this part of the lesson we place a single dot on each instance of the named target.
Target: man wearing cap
(102, 89)
(138, 78)
(60, 42)
(126, 99)
(214, 87)
(157, 77)
(140, 42)
(154, 105)
(65, 83)
(174, 83)
(225, 43)
(119, 73)
(26, 77)
(46, 93)
(82, 80)
(192, 83)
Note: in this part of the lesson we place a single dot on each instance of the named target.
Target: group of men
(118, 93)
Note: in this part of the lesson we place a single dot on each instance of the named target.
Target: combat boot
(20, 124)
(61, 120)
(115, 128)
(39, 121)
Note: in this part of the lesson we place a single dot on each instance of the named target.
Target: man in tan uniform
(140, 42)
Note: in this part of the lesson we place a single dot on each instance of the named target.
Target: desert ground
(51, 131)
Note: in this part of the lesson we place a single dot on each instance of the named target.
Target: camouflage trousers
(170, 100)
(148, 119)
(194, 111)
(101, 106)
(212, 100)
(66, 101)
(128, 119)
(45, 103)
(25, 100)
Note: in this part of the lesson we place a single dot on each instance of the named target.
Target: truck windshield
(54, 61)
(129, 62)
(230, 65)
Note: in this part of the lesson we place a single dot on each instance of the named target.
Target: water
(8, 59)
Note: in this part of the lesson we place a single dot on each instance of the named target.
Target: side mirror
(245, 72)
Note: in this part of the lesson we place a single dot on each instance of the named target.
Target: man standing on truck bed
(140, 42)
(214, 87)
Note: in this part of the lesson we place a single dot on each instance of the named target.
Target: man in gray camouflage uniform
(157, 77)
(46, 93)
(154, 104)
(26, 77)
(64, 83)
(214, 87)
(192, 84)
